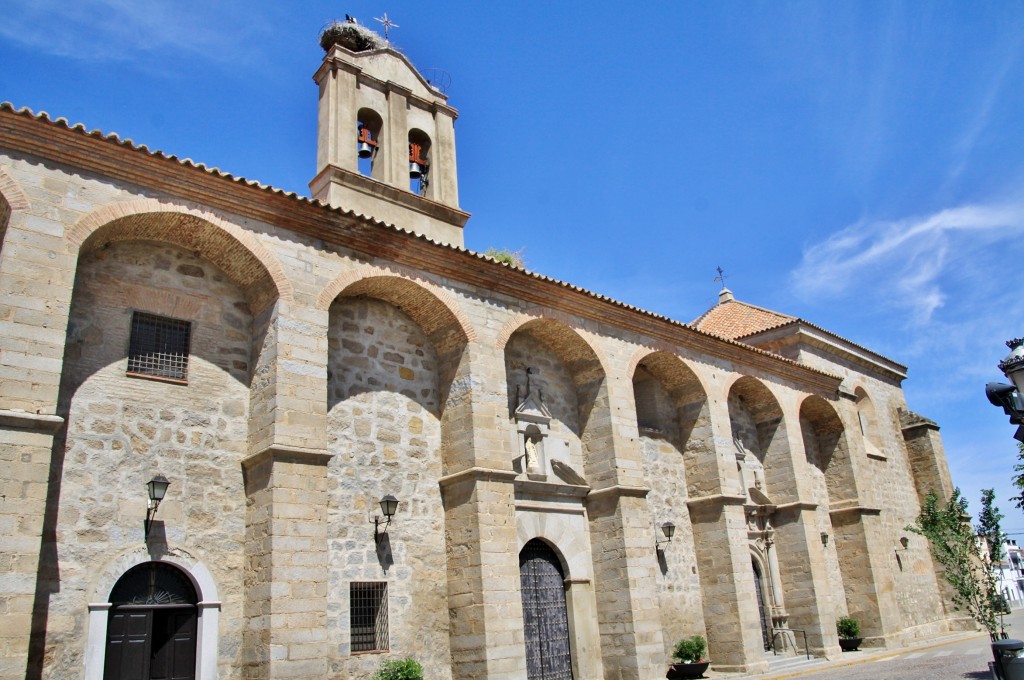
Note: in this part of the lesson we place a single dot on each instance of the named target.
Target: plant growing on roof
(506, 256)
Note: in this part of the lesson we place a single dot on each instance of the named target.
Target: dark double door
(548, 656)
(152, 626)
(151, 644)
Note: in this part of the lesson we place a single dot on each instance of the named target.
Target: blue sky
(859, 165)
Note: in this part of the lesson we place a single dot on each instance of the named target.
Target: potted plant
(849, 633)
(406, 669)
(689, 659)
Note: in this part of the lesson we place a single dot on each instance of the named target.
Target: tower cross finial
(721, 276)
(388, 25)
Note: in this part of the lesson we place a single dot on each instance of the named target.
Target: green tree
(958, 550)
(1018, 479)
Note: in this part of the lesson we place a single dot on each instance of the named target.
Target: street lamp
(156, 488)
(1008, 397)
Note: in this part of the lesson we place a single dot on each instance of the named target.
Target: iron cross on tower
(388, 25)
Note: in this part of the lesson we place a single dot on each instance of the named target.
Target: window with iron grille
(368, 616)
(159, 347)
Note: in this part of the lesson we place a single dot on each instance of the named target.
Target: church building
(246, 434)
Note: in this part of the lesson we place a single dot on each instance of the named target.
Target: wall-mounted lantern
(669, 530)
(904, 542)
(388, 506)
(156, 489)
(824, 538)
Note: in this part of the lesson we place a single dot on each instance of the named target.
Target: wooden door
(548, 655)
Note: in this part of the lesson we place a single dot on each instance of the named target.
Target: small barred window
(159, 347)
(368, 616)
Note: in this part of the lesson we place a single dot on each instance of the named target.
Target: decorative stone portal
(152, 625)
(548, 656)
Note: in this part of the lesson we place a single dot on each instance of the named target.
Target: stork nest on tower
(350, 35)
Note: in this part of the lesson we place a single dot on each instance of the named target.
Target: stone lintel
(716, 499)
(475, 474)
(560, 508)
(542, 489)
(288, 454)
(23, 420)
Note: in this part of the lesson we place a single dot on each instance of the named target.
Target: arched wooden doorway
(151, 630)
(548, 655)
(759, 589)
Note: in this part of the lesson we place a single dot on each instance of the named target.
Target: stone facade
(335, 359)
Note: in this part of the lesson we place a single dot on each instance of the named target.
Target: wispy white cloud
(909, 263)
(130, 30)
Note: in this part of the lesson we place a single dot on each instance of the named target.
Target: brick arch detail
(88, 225)
(12, 192)
(336, 287)
(545, 313)
(645, 351)
(664, 348)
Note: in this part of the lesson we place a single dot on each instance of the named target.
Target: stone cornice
(24, 133)
(618, 491)
(854, 507)
(475, 474)
(718, 499)
(23, 420)
(386, 192)
(288, 454)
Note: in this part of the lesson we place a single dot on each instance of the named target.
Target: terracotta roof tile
(732, 319)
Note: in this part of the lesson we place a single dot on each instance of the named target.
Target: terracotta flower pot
(684, 671)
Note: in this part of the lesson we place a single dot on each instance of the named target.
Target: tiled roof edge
(114, 138)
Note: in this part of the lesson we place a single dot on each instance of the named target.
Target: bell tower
(385, 137)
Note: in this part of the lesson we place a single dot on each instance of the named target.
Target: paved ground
(962, 657)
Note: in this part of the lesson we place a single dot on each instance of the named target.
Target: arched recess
(759, 433)
(678, 454)
(12, 199)
(208, 606)
(127, 426)
(827, 450)
(398, 401)
(868, 421)
(832, 485)
(572, 381)
(238, 253)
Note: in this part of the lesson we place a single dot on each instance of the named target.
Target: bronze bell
(365, 150)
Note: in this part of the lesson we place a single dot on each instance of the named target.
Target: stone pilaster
(286, 565)
(289, 389)
(804, 578)
(867, 577)
(483, 575)
(727, 584)
(26, 441)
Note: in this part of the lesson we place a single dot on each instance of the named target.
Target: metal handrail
(776, 631)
